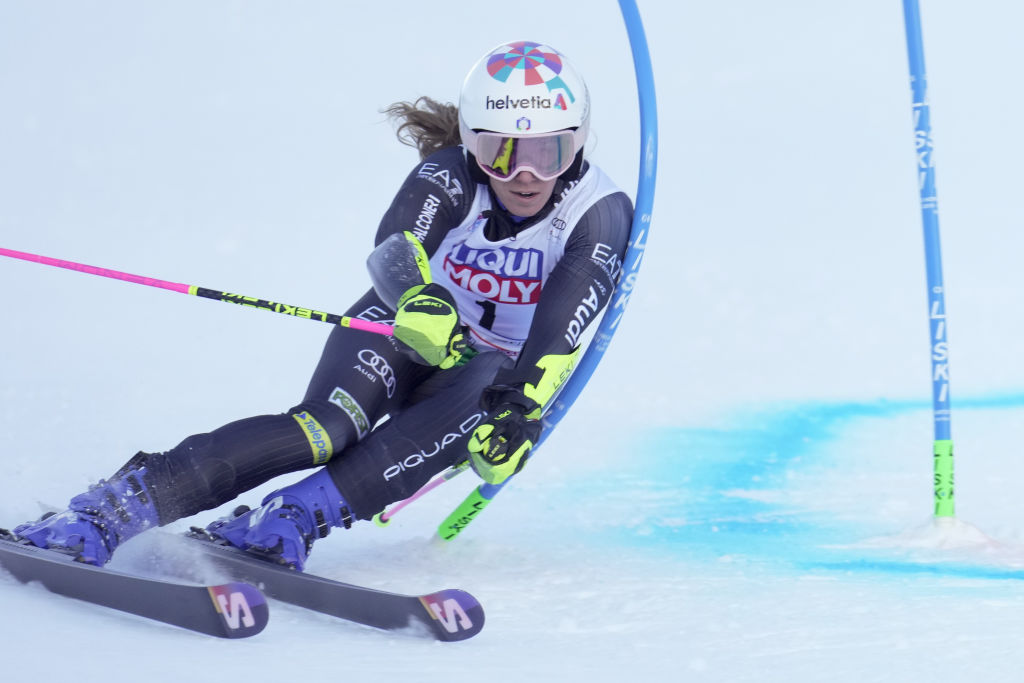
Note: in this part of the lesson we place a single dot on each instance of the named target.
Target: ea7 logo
(442, 178)
(449, 614)
(235, 610)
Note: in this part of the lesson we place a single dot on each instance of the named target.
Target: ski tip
(242, 608)
(454, 614)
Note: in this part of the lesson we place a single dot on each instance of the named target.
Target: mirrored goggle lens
(546, 156)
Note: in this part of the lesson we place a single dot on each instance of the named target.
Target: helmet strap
(502, 225)
(475, 172)
(575, 171)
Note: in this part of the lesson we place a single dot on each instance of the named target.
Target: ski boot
(97, 521)
(287, 522)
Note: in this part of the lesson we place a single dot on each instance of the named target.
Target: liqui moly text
(504, 275)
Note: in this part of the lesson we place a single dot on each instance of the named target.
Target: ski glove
(427, 326)
(501, 444)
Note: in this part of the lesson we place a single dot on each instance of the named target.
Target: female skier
(492, 260)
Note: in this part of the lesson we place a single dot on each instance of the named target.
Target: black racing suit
(383, 424)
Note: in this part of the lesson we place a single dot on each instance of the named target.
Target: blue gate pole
(483, 494)
(943, 446)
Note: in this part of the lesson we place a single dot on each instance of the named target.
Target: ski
(446, 615)
(231, 610)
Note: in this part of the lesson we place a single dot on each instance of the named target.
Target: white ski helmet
(524, 106)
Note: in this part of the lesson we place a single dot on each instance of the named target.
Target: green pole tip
(944, 500)
(460, 518)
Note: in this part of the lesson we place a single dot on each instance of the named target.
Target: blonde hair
(426, 124)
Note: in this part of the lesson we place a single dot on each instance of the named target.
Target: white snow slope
(742, 493)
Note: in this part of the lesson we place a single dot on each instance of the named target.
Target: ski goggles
(547, 155)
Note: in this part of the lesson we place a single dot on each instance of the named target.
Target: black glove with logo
(500, 445)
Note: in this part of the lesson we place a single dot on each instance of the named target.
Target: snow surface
(743, 491)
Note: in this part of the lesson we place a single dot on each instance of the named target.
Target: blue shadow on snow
(727, 492)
